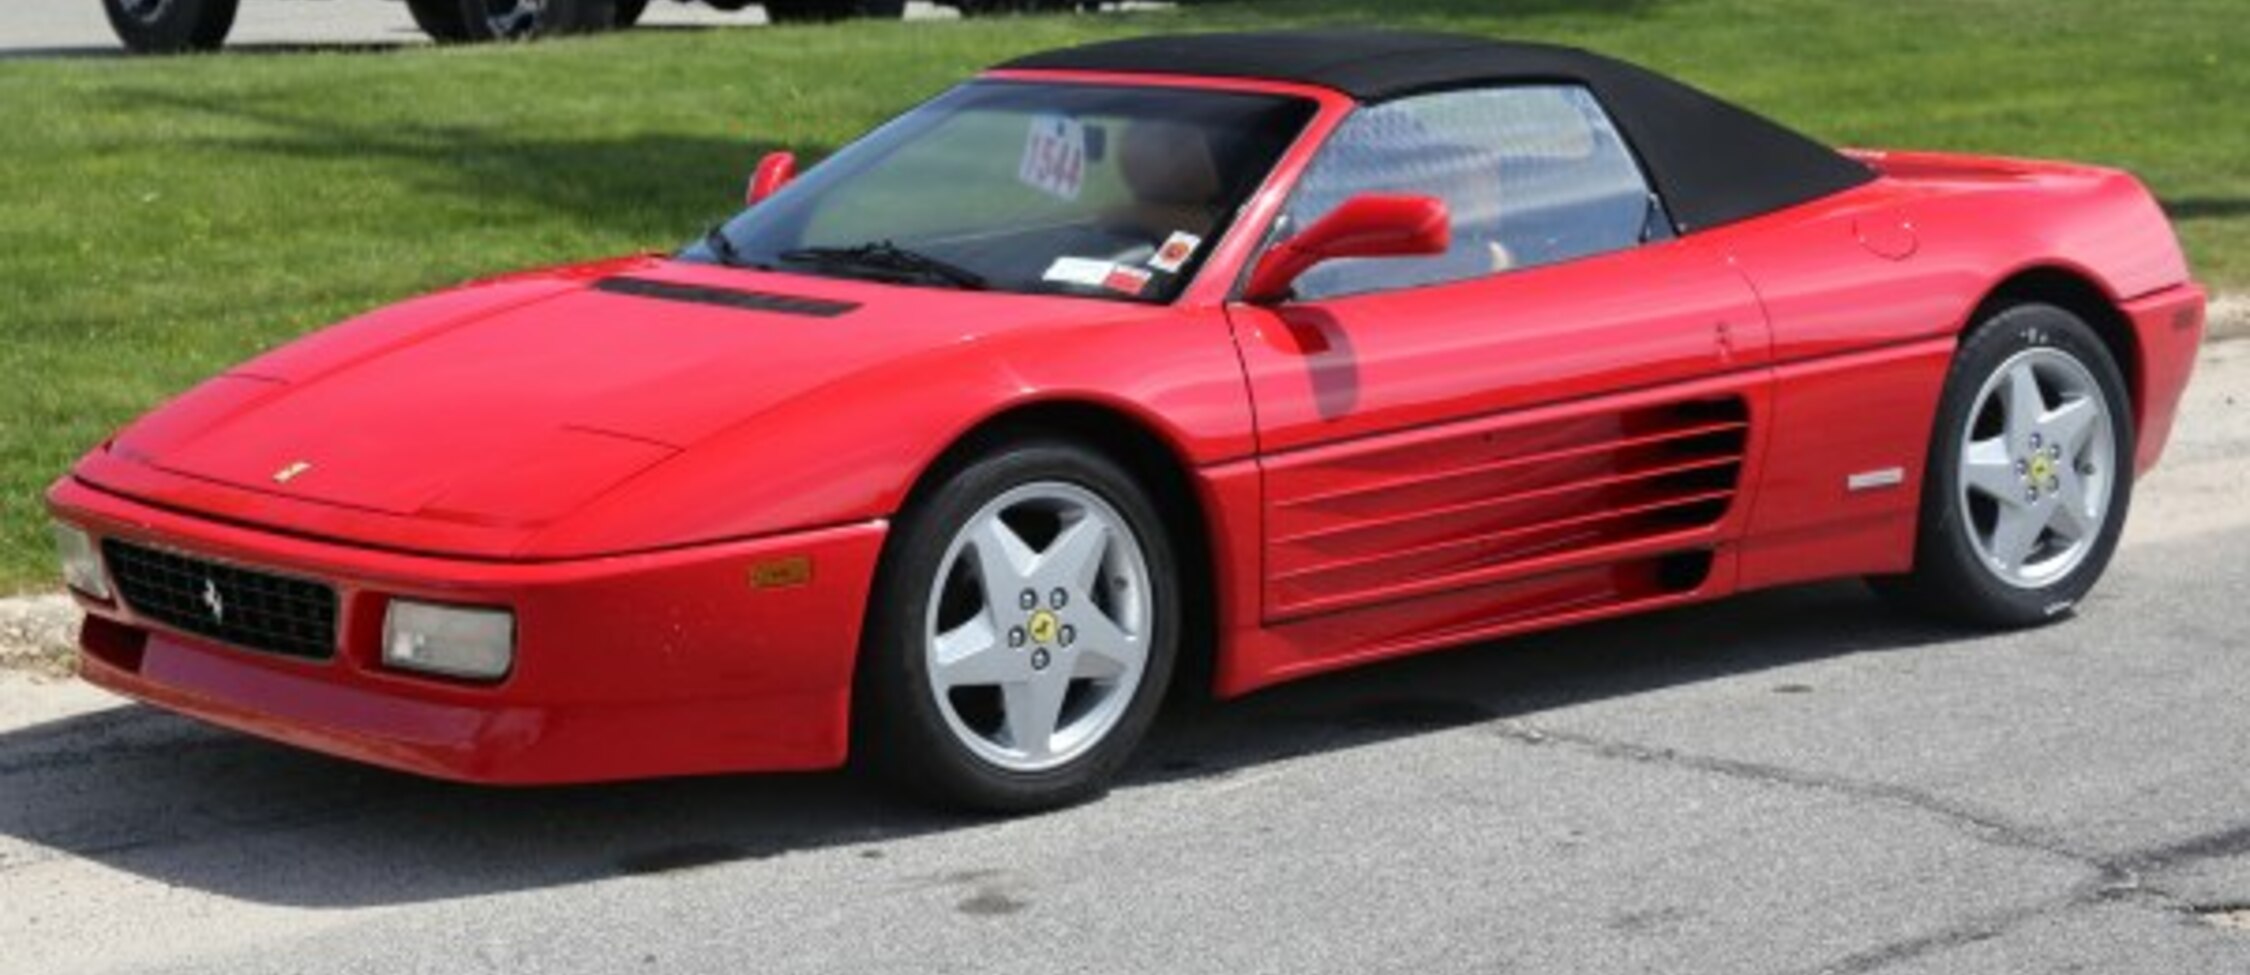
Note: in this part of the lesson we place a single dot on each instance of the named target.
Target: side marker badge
(793, 570)
(1870, 480)
(289, 473)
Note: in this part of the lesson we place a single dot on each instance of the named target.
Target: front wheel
(2030, 473)
(1022, 631)
(170, 26)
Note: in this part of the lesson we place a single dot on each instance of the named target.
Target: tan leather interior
(1173, 177)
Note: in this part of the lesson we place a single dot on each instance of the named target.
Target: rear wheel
(170, 26)
(2030, 473)
(1022, 631)
(629, 12)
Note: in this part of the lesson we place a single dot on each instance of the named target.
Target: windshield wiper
(884, 257)
(723, 247)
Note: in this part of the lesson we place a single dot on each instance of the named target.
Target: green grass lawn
(160, 219)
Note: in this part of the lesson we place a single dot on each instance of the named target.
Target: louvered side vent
(1482, 505)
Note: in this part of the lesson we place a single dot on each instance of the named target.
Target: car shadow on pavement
(143, 792)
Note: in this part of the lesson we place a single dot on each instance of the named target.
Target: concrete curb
(2229, 317)
(38, 634)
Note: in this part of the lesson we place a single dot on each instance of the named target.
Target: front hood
(517, 401)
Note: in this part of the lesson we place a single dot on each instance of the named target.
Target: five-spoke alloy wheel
(2029, 473)
(1023, 632)
(2038, 462)
(1034, 655)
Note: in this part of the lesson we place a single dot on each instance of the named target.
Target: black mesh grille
(242, 607)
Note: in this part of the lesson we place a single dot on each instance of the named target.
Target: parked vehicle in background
(176, 26)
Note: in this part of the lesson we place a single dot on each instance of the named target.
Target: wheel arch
(2080, 294)
(1155, 460)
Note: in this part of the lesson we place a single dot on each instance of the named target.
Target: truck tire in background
(441, 19)
(821, 11)
(986, 8)
(511, 20)
(170, 26)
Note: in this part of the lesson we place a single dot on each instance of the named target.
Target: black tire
(900, 730)
(827, 11)
(440, 19)
(1950, 580)
(170, 26)
(629, 13)
(987, 8)
(517, 20)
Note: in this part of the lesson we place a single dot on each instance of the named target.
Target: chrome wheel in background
(512, 19)
(145, 11)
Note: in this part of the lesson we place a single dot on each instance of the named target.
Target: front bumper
(677, 662)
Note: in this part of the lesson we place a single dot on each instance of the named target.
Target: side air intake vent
(1473, 508)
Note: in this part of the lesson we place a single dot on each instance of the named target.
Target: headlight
(81, 563)
(455, 641)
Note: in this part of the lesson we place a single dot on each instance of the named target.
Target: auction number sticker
(1054, 156)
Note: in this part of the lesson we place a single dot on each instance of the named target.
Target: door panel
(1576, 416)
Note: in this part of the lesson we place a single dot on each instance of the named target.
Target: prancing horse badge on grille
(211, 599)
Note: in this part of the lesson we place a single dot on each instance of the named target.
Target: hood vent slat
(726, 297)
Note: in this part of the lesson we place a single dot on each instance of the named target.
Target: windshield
(1112, 192)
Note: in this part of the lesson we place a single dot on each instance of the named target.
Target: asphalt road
(1796, 781)
(46, 28)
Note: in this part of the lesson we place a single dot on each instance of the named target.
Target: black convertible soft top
(1713, 162)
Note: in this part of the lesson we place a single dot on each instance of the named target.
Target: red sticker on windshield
(1126, 280)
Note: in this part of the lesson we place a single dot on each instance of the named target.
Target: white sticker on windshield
(1054, 156)
(1079, 270)
(1175, 252)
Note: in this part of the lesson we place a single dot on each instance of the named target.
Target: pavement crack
(2114, 878)
(2229, 842)
(1980, 824)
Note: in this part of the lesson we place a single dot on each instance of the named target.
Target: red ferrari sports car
(1270, 353)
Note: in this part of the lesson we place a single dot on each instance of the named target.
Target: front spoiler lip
(456, 742)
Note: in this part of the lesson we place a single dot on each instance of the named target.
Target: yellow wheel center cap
(1043, 627)
(2041, 469)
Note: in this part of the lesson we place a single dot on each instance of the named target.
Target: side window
(1531, 175)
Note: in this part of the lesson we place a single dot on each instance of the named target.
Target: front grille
(233, 605)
